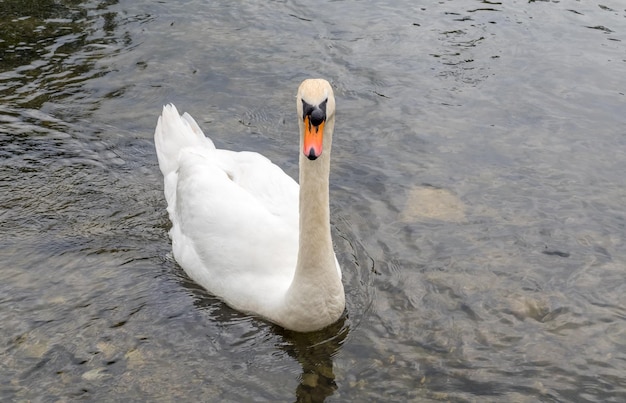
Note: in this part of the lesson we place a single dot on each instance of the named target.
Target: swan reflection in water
(314, 351)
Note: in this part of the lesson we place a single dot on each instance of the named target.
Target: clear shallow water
(477, 199)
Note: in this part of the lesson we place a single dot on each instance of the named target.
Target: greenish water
(477, 194)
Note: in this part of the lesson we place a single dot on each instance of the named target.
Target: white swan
(236, 226)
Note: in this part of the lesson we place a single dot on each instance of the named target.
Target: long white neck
(316, 250)
(316, 292)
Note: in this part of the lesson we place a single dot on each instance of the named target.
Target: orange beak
(313, 139)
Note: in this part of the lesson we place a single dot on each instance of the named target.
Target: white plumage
(236, 218)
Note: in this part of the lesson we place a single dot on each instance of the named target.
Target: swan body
(246, 231)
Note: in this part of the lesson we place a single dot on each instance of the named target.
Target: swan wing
(234, 214)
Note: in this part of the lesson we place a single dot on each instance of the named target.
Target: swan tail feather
(174, 133)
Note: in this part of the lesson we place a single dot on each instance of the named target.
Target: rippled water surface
(478, 198)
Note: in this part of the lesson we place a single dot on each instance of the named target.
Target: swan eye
(317, 114)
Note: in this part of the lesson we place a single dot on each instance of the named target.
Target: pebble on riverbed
(427, 202)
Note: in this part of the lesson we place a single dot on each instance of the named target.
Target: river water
(478, 198)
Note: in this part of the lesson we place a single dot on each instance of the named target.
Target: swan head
(316, 114)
